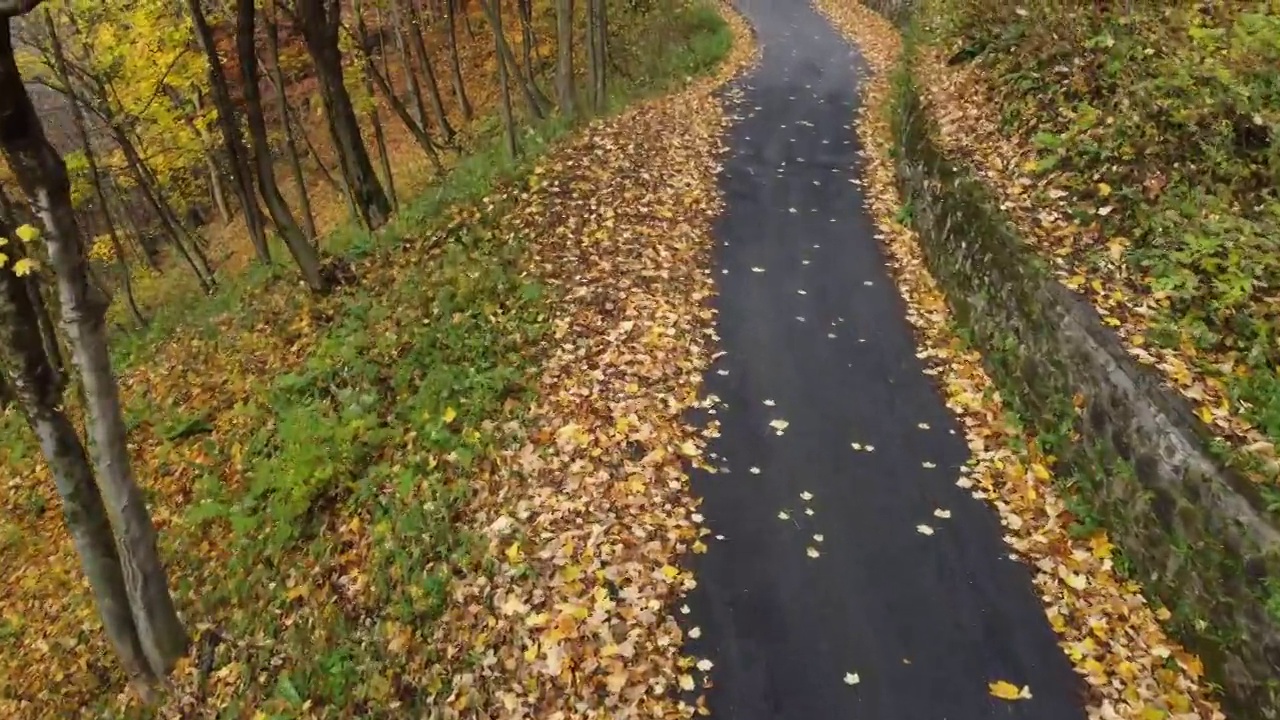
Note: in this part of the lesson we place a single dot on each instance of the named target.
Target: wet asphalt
(814, 335)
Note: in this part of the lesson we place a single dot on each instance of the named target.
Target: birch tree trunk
(43, 177)
(33, 382)
(216, 190)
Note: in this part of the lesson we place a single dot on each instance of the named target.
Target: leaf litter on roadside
(622, 218)
(1112, 636)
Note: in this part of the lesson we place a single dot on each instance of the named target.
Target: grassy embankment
(307, 460)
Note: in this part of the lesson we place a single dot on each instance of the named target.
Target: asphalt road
(815, 335)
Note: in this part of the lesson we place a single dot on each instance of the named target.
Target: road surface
(815, 336)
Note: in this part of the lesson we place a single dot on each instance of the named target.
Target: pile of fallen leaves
(1167, 317)
(1112, 636)
(587, 518)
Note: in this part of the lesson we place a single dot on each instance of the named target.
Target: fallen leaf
(1008, 691)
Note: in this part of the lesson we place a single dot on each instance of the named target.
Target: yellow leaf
(23, 267)
(1103, 189)
(4, 260)
(688, 449)
(1008, 691)
(27, 233)
(670, 572)
(1040, 471)
(398, 637)
(449, 415)
(513, 553)
(686, 683)
(1101, 547)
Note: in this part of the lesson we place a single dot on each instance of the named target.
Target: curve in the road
(851, 577)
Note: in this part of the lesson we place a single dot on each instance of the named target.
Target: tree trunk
(507, 60)
(380, 140)
(95, 178)
(300, 247)
(37, 387)
(466, 19)
(43, 176)
(379, 137)
(428, 72)
(418, 107)
(599, 41)
(455, 63)
(494, 13)
(198, 265)
(564, 56)
(383, 85)
(241, 175)
(524, 8)
(148, 249)
(215, 188)
(211, 167)
(319, 21)
(48, 331)
(133, 161)
(282, 106)
(292, 114)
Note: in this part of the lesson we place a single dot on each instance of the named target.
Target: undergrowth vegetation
(306, 459)
(1159, 124)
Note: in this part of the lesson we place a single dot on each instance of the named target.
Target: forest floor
(362, 499)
